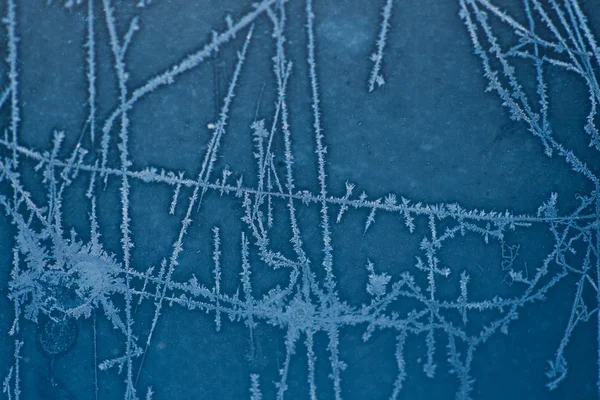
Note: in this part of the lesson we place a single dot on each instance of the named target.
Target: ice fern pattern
(179, 229)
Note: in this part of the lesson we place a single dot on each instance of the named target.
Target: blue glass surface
(302, 199)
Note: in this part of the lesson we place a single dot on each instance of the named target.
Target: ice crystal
(153, 207)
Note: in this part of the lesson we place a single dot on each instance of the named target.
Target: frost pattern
(60, 275)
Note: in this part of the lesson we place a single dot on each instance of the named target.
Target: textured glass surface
(301, 199)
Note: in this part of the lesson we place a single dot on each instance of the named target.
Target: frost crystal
(192, 218)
